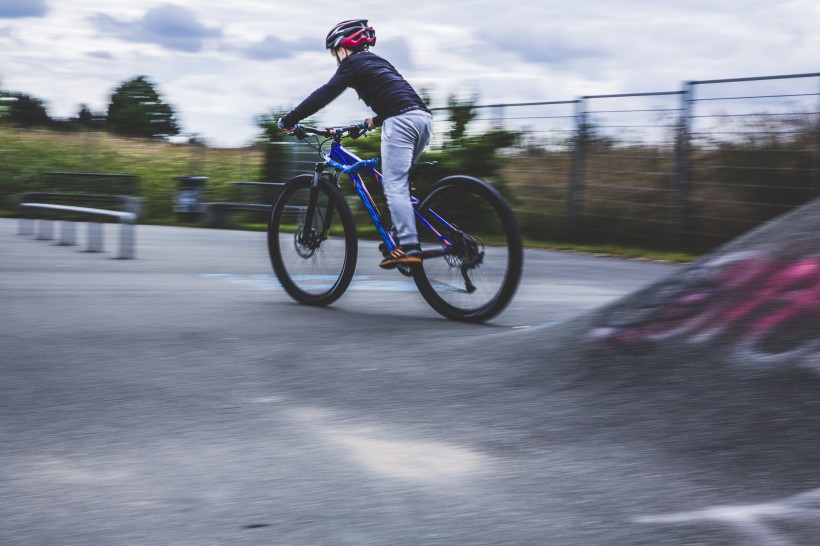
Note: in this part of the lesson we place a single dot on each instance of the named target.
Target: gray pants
(404, 138)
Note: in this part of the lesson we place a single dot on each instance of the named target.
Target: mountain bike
(471, 245)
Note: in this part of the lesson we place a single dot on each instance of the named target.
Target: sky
(222, 63)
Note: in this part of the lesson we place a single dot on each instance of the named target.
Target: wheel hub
(305, 245)
(467, 252)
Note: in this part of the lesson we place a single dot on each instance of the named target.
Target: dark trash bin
(188, 204)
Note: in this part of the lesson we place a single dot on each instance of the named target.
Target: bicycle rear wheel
(315, 263)
(476, 279)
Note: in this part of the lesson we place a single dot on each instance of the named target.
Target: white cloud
(12, 9)
(269, 48)
(167, 25)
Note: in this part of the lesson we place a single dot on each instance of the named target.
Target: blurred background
(673, 131)
(681, 170)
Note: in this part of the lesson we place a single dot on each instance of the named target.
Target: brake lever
(361, 130)
(299, 133)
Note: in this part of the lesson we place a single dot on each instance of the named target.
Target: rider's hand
(370, 124)
(282, 126)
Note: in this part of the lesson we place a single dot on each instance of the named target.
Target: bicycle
(471, 246)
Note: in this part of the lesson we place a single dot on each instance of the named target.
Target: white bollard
(127, 241)
(95, 237)
(45, 230)
(25, 226)
(68, 233)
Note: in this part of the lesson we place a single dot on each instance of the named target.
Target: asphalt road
(183, 398)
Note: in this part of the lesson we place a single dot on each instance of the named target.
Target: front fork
(309, 237)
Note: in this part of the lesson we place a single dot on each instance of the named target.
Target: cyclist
(406, 122)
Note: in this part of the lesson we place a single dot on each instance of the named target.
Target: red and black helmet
(353, 34)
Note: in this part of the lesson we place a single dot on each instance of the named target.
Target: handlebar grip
(296, 128)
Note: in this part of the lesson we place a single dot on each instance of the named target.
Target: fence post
(682, 179)
(815, 163)
(575, 189)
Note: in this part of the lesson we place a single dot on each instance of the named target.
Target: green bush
(26, 155)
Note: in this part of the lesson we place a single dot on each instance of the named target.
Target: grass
(615, 251)
(25, 155)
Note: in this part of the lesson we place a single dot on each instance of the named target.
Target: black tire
(316, 272)
(492, 254)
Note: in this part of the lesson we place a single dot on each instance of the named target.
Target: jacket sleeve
(318, 99)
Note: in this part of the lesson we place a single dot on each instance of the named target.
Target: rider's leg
(404, 138)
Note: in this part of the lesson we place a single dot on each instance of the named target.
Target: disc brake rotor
(304, 250)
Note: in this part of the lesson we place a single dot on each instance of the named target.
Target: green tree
(461, 113)
(84, 116)
(474, 153)
(137, 110)
(273, 142)
(5, 105)
(24, 110)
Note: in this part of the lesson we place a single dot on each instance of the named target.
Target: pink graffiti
(749, 300)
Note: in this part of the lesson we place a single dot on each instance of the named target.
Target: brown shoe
(402, 255)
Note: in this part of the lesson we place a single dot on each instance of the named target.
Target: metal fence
(685, 169)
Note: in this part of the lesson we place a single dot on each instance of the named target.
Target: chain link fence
(685, 169)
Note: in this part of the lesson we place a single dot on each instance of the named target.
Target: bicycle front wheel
(476, 278)
(314, 263)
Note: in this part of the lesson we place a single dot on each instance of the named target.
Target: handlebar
(336, 133)
(353, 131)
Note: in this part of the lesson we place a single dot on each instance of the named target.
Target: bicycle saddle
(420, 169)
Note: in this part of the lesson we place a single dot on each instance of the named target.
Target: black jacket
(375, 80)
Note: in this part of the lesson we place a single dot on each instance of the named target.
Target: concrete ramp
(716, 371)
(753, 305)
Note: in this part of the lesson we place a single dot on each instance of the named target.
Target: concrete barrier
(45, 227)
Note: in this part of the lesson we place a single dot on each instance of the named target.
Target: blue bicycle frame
(348, 163)
(447, 283)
